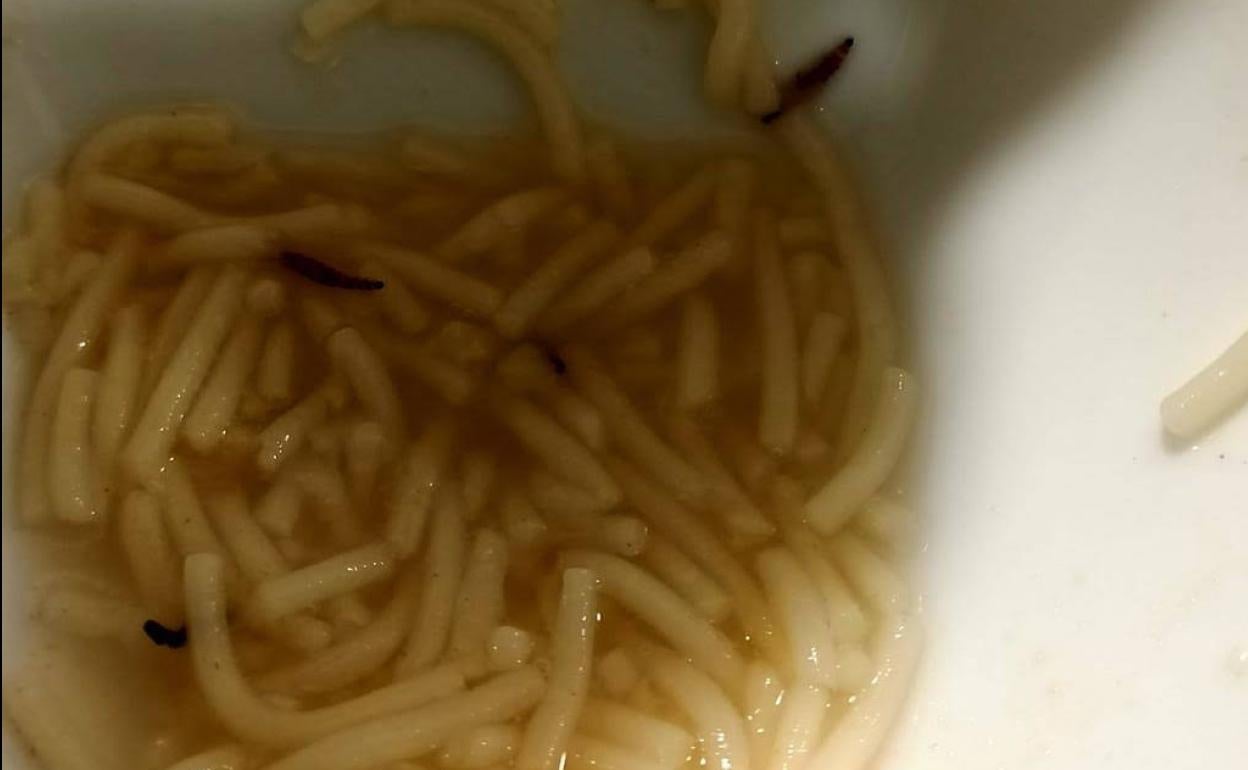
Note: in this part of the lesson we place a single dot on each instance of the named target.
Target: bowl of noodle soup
(390, 396)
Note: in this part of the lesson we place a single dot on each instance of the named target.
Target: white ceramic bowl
(1064, 190)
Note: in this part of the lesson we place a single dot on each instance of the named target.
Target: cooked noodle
(474, 454)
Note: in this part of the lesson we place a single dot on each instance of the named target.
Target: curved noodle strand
(554, 105)
(246, 714)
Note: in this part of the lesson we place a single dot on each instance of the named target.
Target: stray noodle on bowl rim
(467, 455)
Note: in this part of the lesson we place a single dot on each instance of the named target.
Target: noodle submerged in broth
(430, 453)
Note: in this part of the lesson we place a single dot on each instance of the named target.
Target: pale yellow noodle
(319, 316)
(453, 287)
(484, 746)
(224, 243)
(443, 567)
(554, 104)
(448, 380)
(888, 522)
(523, 525)
(283, 437)
(174, 320)
(847, 619)
(698, 540)
(301, 633)
(798, 727)
(230, 756)
(480, 605)
(508, 648)
(725, 60)
(855, 248)
(762, 95)
(156, 430)
(120, 378)
(589, 296)
(348, 612)
(580, 416)
(504, 219)
(874, 457)
(556, 448)
(357, 656)
(628, 429)
(778, 404)
(824, 339)
(799, 610)
(616, 674)
(146, 205)
(526, 369)
(856, 738)
(586, 753)
(662, 609)
(683, 273)
(154, 564)
(1213, 393)
(756, 468)
(194, 127)
(479, 470)
(358, 363)
(873, 578)
(720, 729)
(687, 578)
(804, 272)
(249, 716)
(214, 409)
(416, 486)
(184, 515)
(407, 313)
(855, 669)
(697, 357)
(675, 209)
(257, 557)
(79, 268)
(281, 505)
(417, 732)
(662, 742)
(621, 535)
(552, 723)
(214, 161)
(532, 296)
(83, 324)
(323, 220)
(74, 491)
(302, 588)
(563, 502)
(275, 371)
(734, 193)
(366, 449)
(609, 178)
(727, 499)
(764, 692)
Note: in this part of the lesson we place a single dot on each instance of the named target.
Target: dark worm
(327, 275)
(162, 636)
(808, 80)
